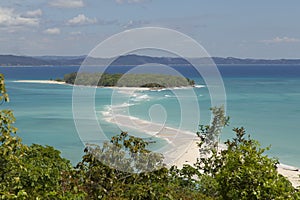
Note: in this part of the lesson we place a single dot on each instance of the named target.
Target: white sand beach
(179, 142)
(291, 173)
(127, 90)
(182, 148)
(41, 81)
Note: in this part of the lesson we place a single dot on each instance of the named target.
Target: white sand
(179, 141)
(119, 89)
(127, 90)
(183, 148)
(41, 81)
(291, 173)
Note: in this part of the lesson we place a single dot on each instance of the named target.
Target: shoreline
(110, 87)
(179, 141)
(182, 146)
(64, 83)
(41, 81)
(183, 152)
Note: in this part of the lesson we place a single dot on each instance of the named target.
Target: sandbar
(41, 81)
(182, 145)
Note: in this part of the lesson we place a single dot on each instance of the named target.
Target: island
(127, 80)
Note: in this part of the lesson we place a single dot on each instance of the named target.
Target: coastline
(182, 146)
(121, 89)
(125, 89)
(182, 152)
(179, 142)
(41, 81)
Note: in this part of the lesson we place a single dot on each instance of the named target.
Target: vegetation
(119, 169)
(59, 80)
(112, 182)
(242, 171)
(127, 80)
(28, 172)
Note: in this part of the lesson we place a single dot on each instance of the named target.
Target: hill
(13, 60)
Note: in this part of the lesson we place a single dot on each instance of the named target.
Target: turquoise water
(263, 99)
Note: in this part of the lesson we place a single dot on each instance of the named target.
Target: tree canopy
(127, 80)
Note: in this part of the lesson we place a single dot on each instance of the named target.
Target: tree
(127, 80)
(246, 173)
(109, 174)
(209, 135)
(29, 172)
(242, 170)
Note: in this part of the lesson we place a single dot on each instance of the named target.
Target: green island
(127, 80)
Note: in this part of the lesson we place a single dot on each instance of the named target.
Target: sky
(246, 29)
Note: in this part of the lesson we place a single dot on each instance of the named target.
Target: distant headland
(132, 60)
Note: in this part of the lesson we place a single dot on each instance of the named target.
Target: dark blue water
(227, 71)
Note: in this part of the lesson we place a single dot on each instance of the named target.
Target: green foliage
(59, 80)
(127, 80)
(70, 78)
(29, 172)
(153, 80)
(3, 94)
(110, 174)
(246, 173)
(241, 171)
(37, 174)
(209, 135)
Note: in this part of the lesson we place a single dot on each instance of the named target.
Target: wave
(158, 90)
(106, 113)
(178, 88)
(143, 97)
(123, 105)
(128, 90)
(199, 86)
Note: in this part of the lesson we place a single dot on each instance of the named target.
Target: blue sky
(246, 29)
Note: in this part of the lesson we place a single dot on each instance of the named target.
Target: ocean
(265, 99)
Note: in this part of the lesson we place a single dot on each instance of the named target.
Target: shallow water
(263, 99)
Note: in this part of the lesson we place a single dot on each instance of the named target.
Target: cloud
(8, 17)
(67, 3)
(52, 31)
(130, 1)
(281, 40)
(81, 19)
(34, 13)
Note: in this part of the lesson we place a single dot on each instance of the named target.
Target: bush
(122, 180)
(29, 172)
(242, 170)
